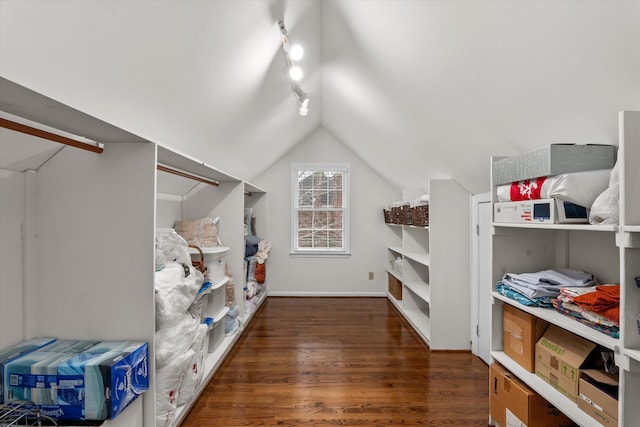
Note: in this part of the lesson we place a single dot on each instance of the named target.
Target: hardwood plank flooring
(344, 362)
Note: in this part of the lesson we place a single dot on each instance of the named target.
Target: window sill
(319, 254)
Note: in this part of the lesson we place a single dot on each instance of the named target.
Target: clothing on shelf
(597, 307)
(547, 283)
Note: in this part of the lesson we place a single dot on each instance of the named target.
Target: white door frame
(476, 281)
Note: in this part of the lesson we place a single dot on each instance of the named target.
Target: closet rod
(19, 127)
(187, 175)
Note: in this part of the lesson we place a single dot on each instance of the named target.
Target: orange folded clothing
(605, 301)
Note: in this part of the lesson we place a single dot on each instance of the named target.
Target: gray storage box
(553, 159)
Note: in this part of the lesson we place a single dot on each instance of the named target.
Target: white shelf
(417, 227)
(419, 322)
(633, 354)
(212, 250)
(560, 401)
(565, 322)
(395, 302)
(420, 289)
(248, 316)
(429, 286)
(73, 195)
(394, 274)
(568, 227)
(422, 258)
(396, 249)
(522, 248)
(219, 284)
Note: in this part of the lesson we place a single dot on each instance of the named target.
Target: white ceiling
(418, 89)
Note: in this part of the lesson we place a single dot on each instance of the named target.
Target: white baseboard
(326, 294)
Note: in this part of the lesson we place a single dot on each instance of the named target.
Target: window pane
(305, 179)
(304, 239)
(319, 180)
(336, 181)
(305, 220)
(320, 239)
(320, 220)
(335, 221)
(335, 199)
(305, 198)
(335, 239)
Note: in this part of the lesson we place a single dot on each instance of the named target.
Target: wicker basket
(404, 215)
(199, 264)
(395, 214)
(420, 215)
(387, 215)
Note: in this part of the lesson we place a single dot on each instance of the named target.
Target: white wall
(12, 186)
(317, 276)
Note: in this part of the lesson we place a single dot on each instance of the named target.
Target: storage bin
(553, 159)
(386, 212)
(214, 258)
(199, 308)
(216, 334)
(395, 213)
(395, 287)
(404, 214)
(420, 214)
(217, 298)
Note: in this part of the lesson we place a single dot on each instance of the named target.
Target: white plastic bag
(175, 292)
(195, 367)
(606, 207)
(171, 247)
(168, 380)
(174, 340)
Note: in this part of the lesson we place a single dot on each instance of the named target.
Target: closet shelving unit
(435, 267)
(79, 226)
(256, 199)
(611, 252)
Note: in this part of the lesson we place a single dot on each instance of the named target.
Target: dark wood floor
(340, 361)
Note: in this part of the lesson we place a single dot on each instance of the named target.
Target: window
(320, 211)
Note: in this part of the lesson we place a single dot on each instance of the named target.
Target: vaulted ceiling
(417, 89)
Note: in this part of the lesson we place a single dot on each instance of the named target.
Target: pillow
(201, 232)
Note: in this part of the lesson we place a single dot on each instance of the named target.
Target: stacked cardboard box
(512, 403)
(520, 333)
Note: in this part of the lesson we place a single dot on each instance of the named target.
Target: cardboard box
(395, 287)
(559, 357)
(545, 211)
(512, 403)
(554, 159)
(520, 333)
(599, 396)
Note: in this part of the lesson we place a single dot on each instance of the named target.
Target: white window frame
(344, 168)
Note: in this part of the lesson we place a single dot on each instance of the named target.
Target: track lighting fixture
(294, 53)
(295, 73)
(303, 100)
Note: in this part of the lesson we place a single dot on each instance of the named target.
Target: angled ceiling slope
(428, 89)
(417, 89)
